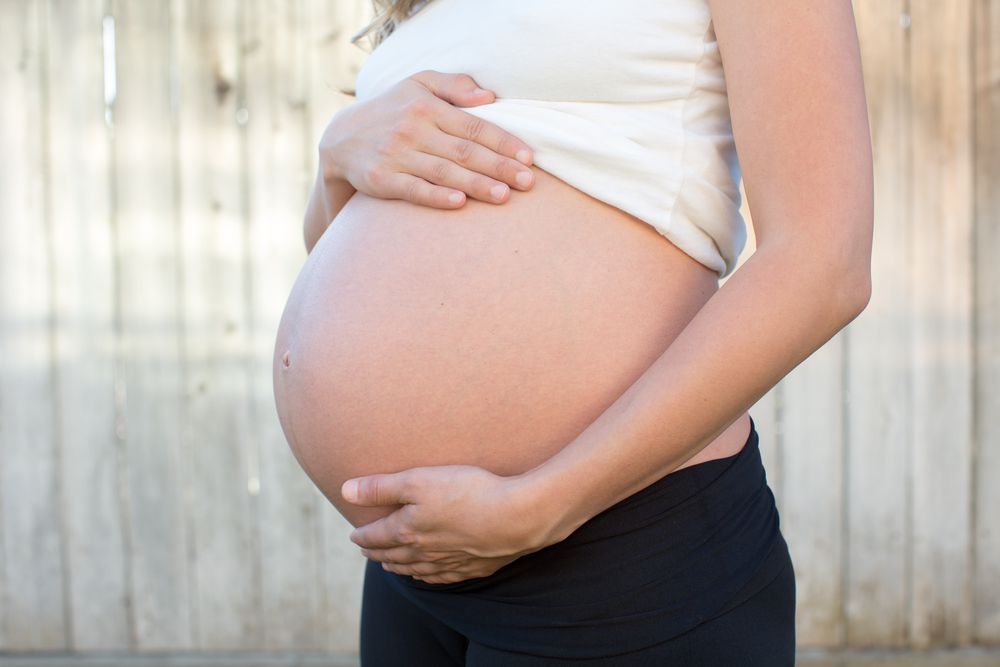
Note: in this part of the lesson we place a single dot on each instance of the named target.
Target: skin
(412, 143)
(799, 115)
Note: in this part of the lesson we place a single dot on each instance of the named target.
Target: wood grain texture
(812, 485)
(986, 460)
(277, 98)
(34, 612)
(878, 364)
(148, 251)
(941, 318)
(219, 439)
(148, 500)
(84, 275)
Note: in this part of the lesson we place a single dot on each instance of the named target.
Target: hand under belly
(488, 335)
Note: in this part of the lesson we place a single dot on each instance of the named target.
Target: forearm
(328, 197)
(777, 309)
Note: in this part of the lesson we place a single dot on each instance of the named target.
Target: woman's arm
(413, 143)
(328, 196)
(800, 122)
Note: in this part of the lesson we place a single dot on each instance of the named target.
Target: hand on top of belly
(457, 522)
(411, 142)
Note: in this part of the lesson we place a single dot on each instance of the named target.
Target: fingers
(376, 490)
(458, 89)
(437, 573)
(420, 570)
(434, 154)
(418, 191)
(469, 179)
(407, 555)
(464, 125)
(386, 533)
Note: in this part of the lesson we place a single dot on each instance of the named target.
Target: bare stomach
(491, 335)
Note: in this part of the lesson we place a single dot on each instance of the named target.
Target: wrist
(548, 511)
(331, 170)
(331, 173)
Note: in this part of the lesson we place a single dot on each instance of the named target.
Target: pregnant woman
(532, 400)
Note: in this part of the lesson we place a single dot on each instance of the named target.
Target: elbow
(857, 292)
(837, 273)
(855, 273)
(849, 274)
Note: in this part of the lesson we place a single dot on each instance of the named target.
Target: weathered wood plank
(33, 590)
(84, 309)
(941, 288)
(144, 269)
(986, 584)
(146, 230)
(878, 371)
(812, 483)
(277, 166)
(218, 436)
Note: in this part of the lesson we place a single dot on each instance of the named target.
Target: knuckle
(417, 108)
(507, 145)
(439, 172)
(474, 127)
(411, 485)
(464, 151)
(369, 488)
(403, 131)
(412, 191)
(501, 167)
(409, 538)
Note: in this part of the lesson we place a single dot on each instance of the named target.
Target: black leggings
(691, 571)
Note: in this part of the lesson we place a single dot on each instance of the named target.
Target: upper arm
(800, 122)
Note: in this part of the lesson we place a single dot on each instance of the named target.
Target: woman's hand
(457, 522)
(411, 143)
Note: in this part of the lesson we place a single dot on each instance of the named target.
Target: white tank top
(625, 101)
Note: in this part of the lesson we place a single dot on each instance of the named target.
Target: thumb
(458, 89)
(375, 490)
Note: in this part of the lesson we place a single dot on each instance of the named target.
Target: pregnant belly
(488, 335)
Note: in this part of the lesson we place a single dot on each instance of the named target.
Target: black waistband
(655, 564)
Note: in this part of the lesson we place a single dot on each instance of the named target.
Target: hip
(689, 548)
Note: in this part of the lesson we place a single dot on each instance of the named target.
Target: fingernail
(523, 178)
(480, 91)
(523, 156)
(349, 490)
(498, 191)
(455, 197)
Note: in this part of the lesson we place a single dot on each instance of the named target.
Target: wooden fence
(157, 160)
